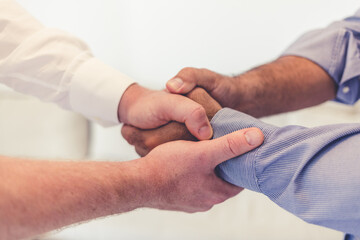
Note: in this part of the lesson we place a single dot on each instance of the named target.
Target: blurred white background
(151, 41)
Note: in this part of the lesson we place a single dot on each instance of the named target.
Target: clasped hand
(148, 109)
(178, 109)
(181, 172)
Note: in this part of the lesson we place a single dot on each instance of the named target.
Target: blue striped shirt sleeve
(313, 173)
(336, 49)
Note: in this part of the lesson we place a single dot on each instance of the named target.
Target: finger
(232, 145)
(143, 140)
(142, 152)
(131, 135)
(186, 111)
(202, 97)
(189, 78)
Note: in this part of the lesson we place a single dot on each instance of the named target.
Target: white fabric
(55, 66)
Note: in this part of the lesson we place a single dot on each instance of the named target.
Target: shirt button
(346, 89)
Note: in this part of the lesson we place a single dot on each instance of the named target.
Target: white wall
(152, 40)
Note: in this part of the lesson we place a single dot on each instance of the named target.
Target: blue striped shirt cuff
(244, 175)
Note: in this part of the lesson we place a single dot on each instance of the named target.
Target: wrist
(128, 100)
(149, 183)
(135, 185)
(243, 92)
(230, 91)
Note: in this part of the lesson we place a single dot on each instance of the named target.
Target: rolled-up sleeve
(311, 172)
(336, 49)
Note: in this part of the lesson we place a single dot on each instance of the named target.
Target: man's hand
(286, 84)
(222, 88)
(182, 176)
(175, 176)
(147, 109)
(145, 140)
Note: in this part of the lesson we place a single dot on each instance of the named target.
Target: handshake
(158, 122)
(146, 140)
(165, 117)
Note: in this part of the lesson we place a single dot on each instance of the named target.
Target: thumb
(233, 144)
(188, 78)
(185, 110)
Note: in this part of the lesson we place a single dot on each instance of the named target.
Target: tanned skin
(286, 84)
(40, 196)
(145, 140)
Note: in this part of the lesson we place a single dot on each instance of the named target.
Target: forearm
(286, 84)
(312, 173)
(322, 64)
(327, 67)
(289, 83)
(39, 196)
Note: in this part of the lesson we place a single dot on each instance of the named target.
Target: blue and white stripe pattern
(336, 49)
(313, 173)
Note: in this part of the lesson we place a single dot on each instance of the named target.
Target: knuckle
(125, 132)
(188, 73)
(132, 135)
(187, 70)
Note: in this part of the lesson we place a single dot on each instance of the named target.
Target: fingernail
(205, 132)
(175, 83)
(253, 137)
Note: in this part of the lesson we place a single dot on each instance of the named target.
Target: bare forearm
(287, 84)
(38, 196)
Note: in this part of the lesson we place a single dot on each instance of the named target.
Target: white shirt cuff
(96, 90)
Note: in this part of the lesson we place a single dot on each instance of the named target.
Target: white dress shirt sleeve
(57, 67)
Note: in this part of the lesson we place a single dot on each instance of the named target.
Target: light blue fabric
(313, 173)
(337, 50)
(351, 237)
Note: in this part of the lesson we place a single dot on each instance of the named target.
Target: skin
(145, 140)
(39, 196)
(286, 84)
(147, 109)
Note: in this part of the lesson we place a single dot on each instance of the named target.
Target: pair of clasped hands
(158, 122)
